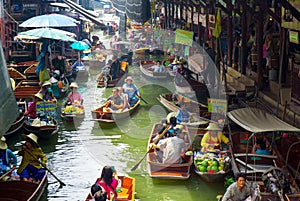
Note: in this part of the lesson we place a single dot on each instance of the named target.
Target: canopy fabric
(256, 120)
(138, 10)
(49, 20)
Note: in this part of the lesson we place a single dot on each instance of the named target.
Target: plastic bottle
(119, 187)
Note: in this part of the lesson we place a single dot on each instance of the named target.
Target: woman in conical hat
(74, 96)
(213, 137)
(33, 160)
(7, 156)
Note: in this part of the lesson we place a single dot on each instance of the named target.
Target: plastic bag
(44, 75)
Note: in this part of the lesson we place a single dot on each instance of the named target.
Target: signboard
(48, 107)
(217, 105)
(184, 37)
(294, 37)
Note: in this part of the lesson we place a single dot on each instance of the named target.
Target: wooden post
(229, 35)
(244, 42)
(282, 55)
(259, 45)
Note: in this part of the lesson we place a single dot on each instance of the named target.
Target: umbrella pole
(79, 57)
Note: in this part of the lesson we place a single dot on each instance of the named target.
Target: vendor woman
(213, 137)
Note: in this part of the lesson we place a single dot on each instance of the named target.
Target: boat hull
(168, 171)
(17, 125)
(109, 119)
(22, 191)
(43, 132)
(144, 67)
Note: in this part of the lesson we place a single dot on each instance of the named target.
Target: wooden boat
(168, 171)
(30, 72)
(21, 190)
(172, 101)
(44, 130)
(143, 51)
(76, 113)
(128, 189)
(108, 118)
(145, 67)
(212, 177)
(18, 123)
(16, 75)
(105, 79)
(21, 66)
(257, 167)
(27, 89)
(190, 87)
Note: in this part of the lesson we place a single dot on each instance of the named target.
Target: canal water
(78, 152)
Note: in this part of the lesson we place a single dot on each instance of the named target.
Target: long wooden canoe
(27, 89)
(21, 190)
(108, 118)
(145, 67)
(128, 189)
(168, 171)
(42, 131)
(17, 125)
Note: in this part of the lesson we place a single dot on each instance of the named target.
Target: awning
(89, 15)
(256, 120)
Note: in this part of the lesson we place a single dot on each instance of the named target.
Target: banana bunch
(71, 109)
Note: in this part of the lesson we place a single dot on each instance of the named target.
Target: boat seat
(255, 168)
(123, 194)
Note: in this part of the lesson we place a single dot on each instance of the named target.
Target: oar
(141, 98)
(44, 166)
(155, 142)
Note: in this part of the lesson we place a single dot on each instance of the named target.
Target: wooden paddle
(141, 98)
(44, 166)
(155, 142)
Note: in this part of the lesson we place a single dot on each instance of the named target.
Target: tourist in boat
(158, 67)
(239, 190)
(260, 147)
(74, 97)
(98, 193)
(124, 97)
(213, 137)
(47, 91)
(131, 90)
(182, 114)
(109, 182)
(31, 168)
(7, 157)
(31, 112)
(116, 102)
(172, 149)
(75, 67)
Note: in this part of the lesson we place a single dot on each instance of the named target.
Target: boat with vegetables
(179, 171)
(212, 166)
(268, 172)
(44, 129)
(72, 112)
(127, 191)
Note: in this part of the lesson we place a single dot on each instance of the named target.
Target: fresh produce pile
(72, 109)
(211, 163)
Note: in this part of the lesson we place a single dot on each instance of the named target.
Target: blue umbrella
(80, 45)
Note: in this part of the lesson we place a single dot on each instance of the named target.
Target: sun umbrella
(49, 33)
(49, 20)
(80, 45)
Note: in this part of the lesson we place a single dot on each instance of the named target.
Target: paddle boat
(145, 67)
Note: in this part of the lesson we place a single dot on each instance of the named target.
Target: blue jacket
(8, 156)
